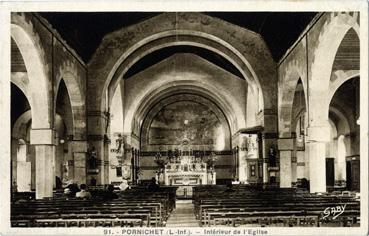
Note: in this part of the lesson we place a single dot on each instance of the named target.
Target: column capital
(42, 137)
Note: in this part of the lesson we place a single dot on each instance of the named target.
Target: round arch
(329, 40)
(183, 38)
(334, 86)
(77, 102)
(342, 125)
(295, 120)
(286, 99)
(145, 100)
(153, 32)
(19, 131)
(342, 117)
(38, 82)
(21, 81)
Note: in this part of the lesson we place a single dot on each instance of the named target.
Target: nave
(185, 119)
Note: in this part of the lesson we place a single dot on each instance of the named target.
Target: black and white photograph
(208, 121)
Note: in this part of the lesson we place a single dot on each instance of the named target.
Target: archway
(176, 40)
(186, 33)
(191, 75)
(38, 82)
(64, 164)
(185, 126)
(119, 56)
(41, 134)
(293, 161)
(22, 153)
(73, 89)
(345, 111)
(343, 28)
(63, 171)
(335, 34)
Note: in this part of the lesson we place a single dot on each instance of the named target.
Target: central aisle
(183, 215)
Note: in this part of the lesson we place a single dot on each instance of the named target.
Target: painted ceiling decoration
(185, 121)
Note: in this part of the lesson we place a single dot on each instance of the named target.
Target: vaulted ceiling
(84, 31)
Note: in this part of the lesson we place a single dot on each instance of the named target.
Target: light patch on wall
(220, 140)
(116, 111)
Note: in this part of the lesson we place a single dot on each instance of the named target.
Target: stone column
(242, 167)
(285, 172)
(79, 150)
(294, 167)
(300, 165)
(105, 162)
(236, 164)
(285, 146)
(340, 161)
(44, 142)
(32, 156)
(316, 146)
(265, 171)
(14, 147)
(268, 141)
(97, 126)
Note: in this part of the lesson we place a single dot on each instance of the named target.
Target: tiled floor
(183, 215)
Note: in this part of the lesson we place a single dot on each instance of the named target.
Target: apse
(186, 121)
(191, 126)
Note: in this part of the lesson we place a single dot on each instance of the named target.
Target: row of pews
(136, 207)
(287, 207)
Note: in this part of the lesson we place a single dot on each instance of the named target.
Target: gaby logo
(334, 211)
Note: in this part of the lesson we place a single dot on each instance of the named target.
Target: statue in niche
(119, 143)
(92, 157)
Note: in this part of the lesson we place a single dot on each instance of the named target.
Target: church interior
(185, 119)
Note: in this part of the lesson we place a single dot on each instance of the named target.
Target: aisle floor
(183, 215)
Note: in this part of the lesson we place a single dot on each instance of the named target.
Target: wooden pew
(133, 208)
(247, 204)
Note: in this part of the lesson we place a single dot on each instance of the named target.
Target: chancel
(180, 119)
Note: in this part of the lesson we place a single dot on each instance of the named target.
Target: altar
(188, 171)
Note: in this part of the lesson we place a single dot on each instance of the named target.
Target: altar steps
(183, 215)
